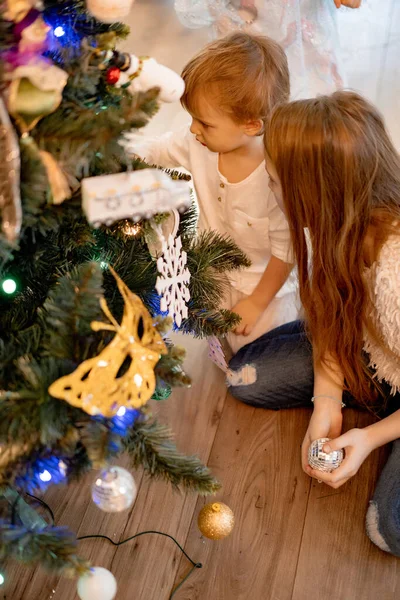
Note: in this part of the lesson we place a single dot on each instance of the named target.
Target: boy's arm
(170, 150)
(276, 273)
(251, 308)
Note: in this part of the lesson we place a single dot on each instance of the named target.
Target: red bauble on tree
(113, 75)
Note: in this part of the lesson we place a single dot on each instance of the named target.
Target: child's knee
(245, 384)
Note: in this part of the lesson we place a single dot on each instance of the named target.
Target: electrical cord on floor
(44, 504)
(105, 537)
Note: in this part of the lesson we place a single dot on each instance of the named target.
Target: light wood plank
(152, 560)
(256, 455)
(337, 560)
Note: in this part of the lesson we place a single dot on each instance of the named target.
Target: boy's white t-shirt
(247, 211)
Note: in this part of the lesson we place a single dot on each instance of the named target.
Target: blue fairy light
(153, 302)
(63, 31)
(119, 424)
(124, 419)
(42, 473)
(45, 476)
(59, 31)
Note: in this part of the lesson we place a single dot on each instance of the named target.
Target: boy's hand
(250, 311)
(348, 3)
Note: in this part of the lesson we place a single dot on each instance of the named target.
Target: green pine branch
(203, 322)
(22, 454)
(53, 547)
(99, 443)
(210, 257)
(169, 368)
(188, 224)
(219, 251)
(69, 133)
(20, 343)
(70, 308)
(136, 268)
(29, 415)
(151, 446)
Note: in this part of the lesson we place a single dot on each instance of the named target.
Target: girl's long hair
(340, 177)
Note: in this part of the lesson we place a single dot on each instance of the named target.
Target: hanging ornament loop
(157, 227)
(174, 277)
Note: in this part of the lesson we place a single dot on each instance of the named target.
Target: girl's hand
(357, 445)
(348, 3)
(326, 421)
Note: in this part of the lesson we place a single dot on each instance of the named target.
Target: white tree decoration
(132, 195)
(216, 353)
(172, 283)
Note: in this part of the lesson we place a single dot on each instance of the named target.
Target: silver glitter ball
(114, 490)
(322, 461)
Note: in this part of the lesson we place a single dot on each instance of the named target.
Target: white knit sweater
(384, 278)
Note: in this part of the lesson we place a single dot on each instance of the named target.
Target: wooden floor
(293, 539)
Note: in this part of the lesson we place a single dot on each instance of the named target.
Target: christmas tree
(86, 242)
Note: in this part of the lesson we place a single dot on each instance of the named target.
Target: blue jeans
(276, 371)
(282, 373)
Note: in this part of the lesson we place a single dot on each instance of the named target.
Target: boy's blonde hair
(247, 74)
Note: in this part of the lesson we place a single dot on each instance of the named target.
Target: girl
(336, 174)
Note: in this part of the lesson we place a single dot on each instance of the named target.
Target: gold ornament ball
(216, 520)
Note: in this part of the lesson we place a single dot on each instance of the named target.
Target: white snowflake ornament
(172, 283)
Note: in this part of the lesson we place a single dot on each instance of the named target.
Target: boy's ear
(254, 127)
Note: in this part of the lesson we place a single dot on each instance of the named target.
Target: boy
(231, 87)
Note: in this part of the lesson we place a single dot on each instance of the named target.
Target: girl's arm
(384, 431)
(358, 444)
(328, 381)
(326, 420)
